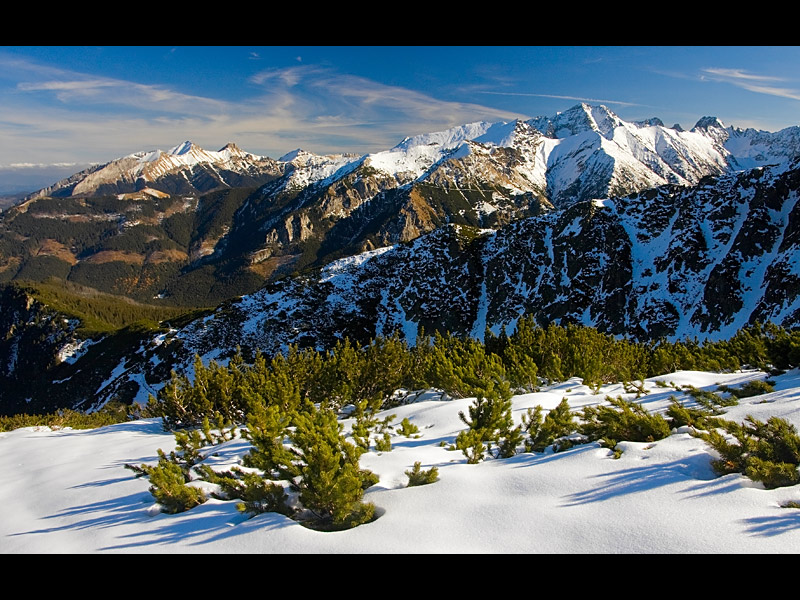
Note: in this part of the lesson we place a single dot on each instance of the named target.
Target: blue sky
(93, 104)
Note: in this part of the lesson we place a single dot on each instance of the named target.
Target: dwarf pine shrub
(749, 389)
(489, 421)
(766, 452)
(681, 415)
(417, 476)
(710, 401)
(257, 494)
(168, 481)
(323, 467)
(407, 428)
(470, 442)
(383, 444)
(624, 420)
(558, 423)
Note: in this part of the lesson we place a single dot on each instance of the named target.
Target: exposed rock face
(460, 230)
(672, 261)
(669, 262)
(313, 209)
(185, 169)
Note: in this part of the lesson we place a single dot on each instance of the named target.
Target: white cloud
(576, 98)
(739, 74)
(309, 106)
(752, 82)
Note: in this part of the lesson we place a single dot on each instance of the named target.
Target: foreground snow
(67, 491)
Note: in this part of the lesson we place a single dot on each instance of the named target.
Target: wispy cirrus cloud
(576, 98)
(56, 113)
(752, 82)
(81, 91)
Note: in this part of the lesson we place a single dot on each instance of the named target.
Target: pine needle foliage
(267, 428)
(749, 389)
(490, 414)
(257, 495)
(168, 481)
(384, 443)
(489, 422)
(681, 415)
(350, 373)
(416, 476)
(710, 401)
(471, 444)
(766, 452)
(323, 467)
(113, 412)
(558, 423)
(407, 428)
(624, 420)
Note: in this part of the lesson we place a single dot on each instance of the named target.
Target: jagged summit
(232, 149)
(180, 149)
(290, 156)
(706, 122)
(583, 152)
(185, 169)
(651, 122)
(578, 119)
(446, 139)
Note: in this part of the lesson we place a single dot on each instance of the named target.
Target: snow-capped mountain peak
(447, 139)
(578, 119)
(131, 172)
(180, 149)
(290, 156)
(708, 122)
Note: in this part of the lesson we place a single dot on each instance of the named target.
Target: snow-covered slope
(186, 168)
(489, 174)
(671, 262)
(674, 261)
(67, 491)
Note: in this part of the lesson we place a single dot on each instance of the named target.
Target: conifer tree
(267, 427)
(323, 467)
(489, 420)
(558, 423)
(407, 428)
(490, 414)
(766, 452)
(623, 420)
(417, 476)
(257, 495)
(168, 481)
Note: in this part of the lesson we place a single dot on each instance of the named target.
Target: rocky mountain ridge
(634, 228)
(185, 169)
(673, 261)
(310, 209)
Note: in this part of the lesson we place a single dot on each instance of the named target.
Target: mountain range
(635, 228)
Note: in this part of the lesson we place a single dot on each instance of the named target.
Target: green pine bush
(624, 420)
(417, 476)
(168, 484)
(323, 467)
(749, 389)
(558, 423)
(383, 444)
(681, 415)
(257, 494)
(766, 452)
(471, 444)
(407, 428)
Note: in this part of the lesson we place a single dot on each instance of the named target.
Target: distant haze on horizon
(82, 105)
